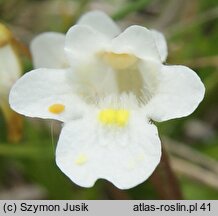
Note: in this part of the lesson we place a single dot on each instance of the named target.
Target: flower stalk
(14, 123)
(164, 180)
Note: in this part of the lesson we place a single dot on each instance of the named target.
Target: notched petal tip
(161, 44)
(84, 159)
(137, 40)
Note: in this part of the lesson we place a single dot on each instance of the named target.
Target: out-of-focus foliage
(191, 28)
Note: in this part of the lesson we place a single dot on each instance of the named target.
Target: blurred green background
(28, 169)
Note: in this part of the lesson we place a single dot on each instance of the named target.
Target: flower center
(118, 74)
(127, 75)
(119, 61)
(118, 117)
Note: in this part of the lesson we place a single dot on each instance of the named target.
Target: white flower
(10, 71)
(10, 66)
(106, 85)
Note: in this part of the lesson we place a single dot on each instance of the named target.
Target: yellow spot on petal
(56, 108)
(122, 117)
(81, 159)
(118, 117)
(140, 157)
(107, 116)
(131, 165)
(119, 61)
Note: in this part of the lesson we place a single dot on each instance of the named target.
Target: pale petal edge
(179, 93)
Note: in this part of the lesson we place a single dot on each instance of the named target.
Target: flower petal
(37, 91)
(10, 70)
(161, 44)
(82, 43)
(179, 93)
(124, 156)
(48, 51)
(136, 40)
(101, 22)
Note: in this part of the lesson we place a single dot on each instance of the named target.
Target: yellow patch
(131, 165)
(140, 157)
(107, 116)
(5, 35)
(81, 159)
(122, 117)
(119, 117)
(56, 108)
(119, 61)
